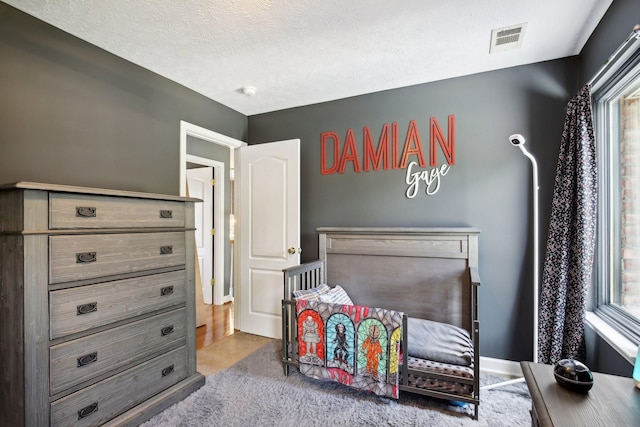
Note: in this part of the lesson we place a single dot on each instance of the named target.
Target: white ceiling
(300, 52)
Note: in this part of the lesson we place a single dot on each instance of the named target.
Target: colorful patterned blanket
(354, 345)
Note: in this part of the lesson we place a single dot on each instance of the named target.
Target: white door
(199, 185)
(268, 227)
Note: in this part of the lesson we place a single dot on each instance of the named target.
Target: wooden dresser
(97, 305)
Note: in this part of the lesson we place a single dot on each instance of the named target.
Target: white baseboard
(500, 367)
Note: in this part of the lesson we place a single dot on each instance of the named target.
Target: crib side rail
(303, 276)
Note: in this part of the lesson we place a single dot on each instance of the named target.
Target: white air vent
(507, 38)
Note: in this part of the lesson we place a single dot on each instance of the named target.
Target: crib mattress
(426, 382)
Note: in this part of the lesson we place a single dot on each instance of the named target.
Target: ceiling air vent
(507, 38)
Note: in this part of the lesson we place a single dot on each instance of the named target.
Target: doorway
(200, 146)
(209, 223)
(278, 163)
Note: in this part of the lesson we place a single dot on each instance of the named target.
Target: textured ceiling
(300, 52)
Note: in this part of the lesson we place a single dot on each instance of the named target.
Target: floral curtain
(568, 263)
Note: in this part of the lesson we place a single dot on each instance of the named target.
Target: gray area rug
(255, 392)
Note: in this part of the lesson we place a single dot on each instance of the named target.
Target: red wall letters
(334, 156)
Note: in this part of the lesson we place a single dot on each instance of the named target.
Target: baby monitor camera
(516, 139)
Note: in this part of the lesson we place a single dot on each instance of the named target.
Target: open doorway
(202, 152)
(201, 185)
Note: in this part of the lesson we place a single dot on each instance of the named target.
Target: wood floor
(219, 346)
(218, 324)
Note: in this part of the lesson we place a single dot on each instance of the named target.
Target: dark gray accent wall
(611, 32)
(489, 187)
(71, 113)
(601, 357)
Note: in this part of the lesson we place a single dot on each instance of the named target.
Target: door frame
(190, 129)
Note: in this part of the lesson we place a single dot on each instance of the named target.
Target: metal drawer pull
(87, 359)
(85, 212)
(167, 290)
(166, 250)
(89, 307)
(167, 330)
(166, 213)
(84, 257)
(168, 370)
(88, 410)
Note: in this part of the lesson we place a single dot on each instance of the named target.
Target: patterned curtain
(568, 261)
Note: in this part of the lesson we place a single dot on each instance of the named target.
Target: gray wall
(489, 187)
(612, 31)
(71, 113)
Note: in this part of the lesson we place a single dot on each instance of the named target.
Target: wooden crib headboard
(429, 273)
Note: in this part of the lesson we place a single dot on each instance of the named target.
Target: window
(616, 106)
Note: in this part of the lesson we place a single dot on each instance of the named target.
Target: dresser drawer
(85, 307)
(81, 359)
(79, 257)
(88, 211)
(102, 401)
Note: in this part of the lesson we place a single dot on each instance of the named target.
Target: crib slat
(303, 276)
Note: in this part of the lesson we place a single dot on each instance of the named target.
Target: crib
(426, 274)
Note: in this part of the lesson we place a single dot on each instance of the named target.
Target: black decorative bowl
(573, 375)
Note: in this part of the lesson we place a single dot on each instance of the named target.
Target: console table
(612, 401)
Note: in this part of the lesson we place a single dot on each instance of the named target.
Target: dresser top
(613, 400)
(88, 190)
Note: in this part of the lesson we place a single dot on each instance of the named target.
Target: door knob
(292, 250)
